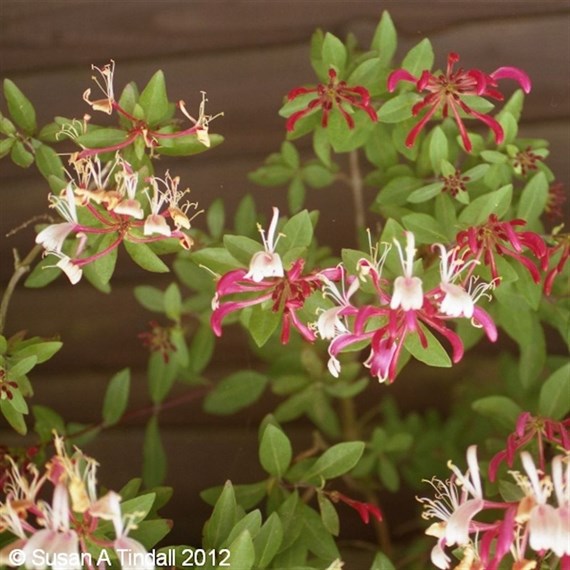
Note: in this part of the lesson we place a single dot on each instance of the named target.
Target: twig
(20, 269)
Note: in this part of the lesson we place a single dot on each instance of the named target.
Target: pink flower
(287, 294)
(446, 92)
(484, 241)
(562, 248)
(334, 95)
(529, 428)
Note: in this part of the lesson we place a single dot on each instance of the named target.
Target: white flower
(56, 538)
(266, 263)
(53, 236)
(105, 105)
(156, 223)
(544, 524)
(408, 290)
(127, 185)
(329, 323)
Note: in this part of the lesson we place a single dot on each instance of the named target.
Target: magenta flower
(287, 294)
(334, 95)
(386, 325)
(446, 92)
(530, 428)
(484, 241)
(563, 248)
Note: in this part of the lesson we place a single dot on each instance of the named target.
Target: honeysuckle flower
(454, 183)
(158, 339)
(561, 484)
(334, 95)
(151, 137)
(525, 161)
(562, 249)
(555, 201)
(287, 295)
(446, 92)
(57, 537)
(528, 429)
(364, 510)
(107, 104)
(330, 322)
(457, 302)
(128, 204)
(408, 291)
(266, 263)
(494, 237)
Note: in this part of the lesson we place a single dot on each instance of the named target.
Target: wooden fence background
(246, 55)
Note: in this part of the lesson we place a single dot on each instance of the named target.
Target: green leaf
(143, 256)
(22, 366)
(425, 193)
(554, 400)
(398, 108)
(371, 75)
(317, 175)
(154, 457)
(246, 216)
(6, 146)
(296, 194)
(445, 215)
(100, 271)
(20, 107)
(329, 516)
(101, 138)
(388, 474)
(154, 100)
(161, 376)
(247, 496)
(187, 145)
(382, 562)
(116, 397)
(396, 191)
(272, 175)
(298, 232)
(48, 162)
(510, 127)
(13, 417)
(149, 533)
(173, 302)
(275, 451)
(499, 408)
(242, 551)
(385, 39)
(47, 420)
(316, 537)
(433, 355)
(419, 58)
(481, 208)
(337, 460)
(268, 541)
(290, 155)
(235, 392)
(334, 53)
(438, 149)
(215, 218)
(201, 349)
(241, 248)
(223, 518)
(321, 146)
(425, 228)
(150, 298)
(42, 351)
(20, 155)
(533, 198)
(217, 259)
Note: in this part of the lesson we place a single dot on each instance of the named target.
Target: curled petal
(513, 73)
(457, 529)
(483, 319)
(399, 75)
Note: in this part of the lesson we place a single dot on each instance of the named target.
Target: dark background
(246, 55)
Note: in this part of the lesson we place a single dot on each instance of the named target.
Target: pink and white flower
(266, 263)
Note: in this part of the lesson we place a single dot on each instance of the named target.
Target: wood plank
(52, 33)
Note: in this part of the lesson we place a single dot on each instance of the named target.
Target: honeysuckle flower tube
(446, 92)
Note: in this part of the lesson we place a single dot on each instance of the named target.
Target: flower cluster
(104, 201)
(334, 95)
(447, 92)
(64, 527)
(534, 527)
(139, 128)
(267, 280)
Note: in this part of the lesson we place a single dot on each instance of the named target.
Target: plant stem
(357, 191)
(21, 267)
